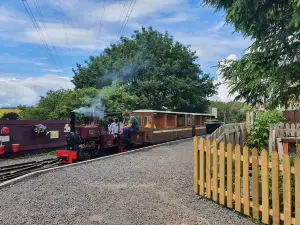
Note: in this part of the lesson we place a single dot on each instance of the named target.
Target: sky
(32, 63)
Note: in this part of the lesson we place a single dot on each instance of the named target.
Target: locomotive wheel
(83, 155)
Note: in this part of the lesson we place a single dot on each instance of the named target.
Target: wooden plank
(298, 129)
(297, 192)
(293, 130)
(287, 130)
(207, 169)
(287, 189)
(202, 166)
(196, 165)
(265, 186)
(255, 207)
(237, 180)
(246, 180)
(222, 173)
(275, 189)
(215, 171)
(229, 176)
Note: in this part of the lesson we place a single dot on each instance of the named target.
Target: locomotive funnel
(72, 122)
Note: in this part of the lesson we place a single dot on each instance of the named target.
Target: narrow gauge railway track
(20, 169)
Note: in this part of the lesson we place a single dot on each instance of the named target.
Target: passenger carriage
(161, 126)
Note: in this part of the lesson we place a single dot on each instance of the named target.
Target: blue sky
(76, 29)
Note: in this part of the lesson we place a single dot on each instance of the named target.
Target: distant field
(2, 111)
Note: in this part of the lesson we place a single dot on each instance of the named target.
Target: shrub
(259, 134)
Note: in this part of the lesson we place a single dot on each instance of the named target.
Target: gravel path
(6, 162)
(146, 187)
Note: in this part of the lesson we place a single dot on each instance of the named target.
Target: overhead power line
(32, 18)
(45, 27)
(129, 11)
(101, 18)
(122, 13)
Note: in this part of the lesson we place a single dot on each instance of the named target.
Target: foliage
(257, 82)
(8, 110)
(10, 116)
(230, 112)
(269, 72)
(154, 67)
(57, 105)
(259, 134)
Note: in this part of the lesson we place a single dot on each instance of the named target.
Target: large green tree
(151, 65)
(57, 105)
(269, 72)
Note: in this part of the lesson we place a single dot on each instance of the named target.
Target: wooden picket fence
(247, 182)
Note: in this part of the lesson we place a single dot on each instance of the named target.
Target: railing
(248, 182)
(279, 131)
(231, 133)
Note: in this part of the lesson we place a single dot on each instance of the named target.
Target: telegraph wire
(127, 17)
(31, 16)
(45, 27)
(122, 13)
(102, 15)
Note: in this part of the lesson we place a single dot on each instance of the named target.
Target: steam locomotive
(88, 141)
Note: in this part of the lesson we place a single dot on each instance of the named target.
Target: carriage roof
(170, 112)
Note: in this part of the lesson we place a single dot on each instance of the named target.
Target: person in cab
(130, 125)
(115, 127)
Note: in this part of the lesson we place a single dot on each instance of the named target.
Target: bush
(10, 116)
(259, 134)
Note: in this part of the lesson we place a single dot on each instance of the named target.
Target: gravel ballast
(6, 162)
(154, 186)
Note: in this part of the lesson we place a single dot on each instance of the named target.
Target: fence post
(275, 189)
(287, 189)
(237, 180)
(207, 169)
(255, 207)
(229, 175)
(215, 171)
(246, 181)
(297, 188)
(202, 167)
(265, 187)
(196, 165)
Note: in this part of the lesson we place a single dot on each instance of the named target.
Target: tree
(230, 112)
(10, 116)
(269, 71)
(57, 105)
(151, 65)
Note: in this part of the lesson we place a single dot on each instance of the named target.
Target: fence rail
(231, 133)
(248, 182)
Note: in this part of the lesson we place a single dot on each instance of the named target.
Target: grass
(3, 111)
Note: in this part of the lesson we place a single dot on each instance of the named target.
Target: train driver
(130, 126)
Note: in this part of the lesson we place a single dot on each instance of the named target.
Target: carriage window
(189, 120)
(180, 120)
(147, 121)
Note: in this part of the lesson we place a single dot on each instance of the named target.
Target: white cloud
(53, 70)
(10, 59)
(142, 8)
(211, 48)
(217, 26)
(174, 19)
(223, 93)
(27, 91)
